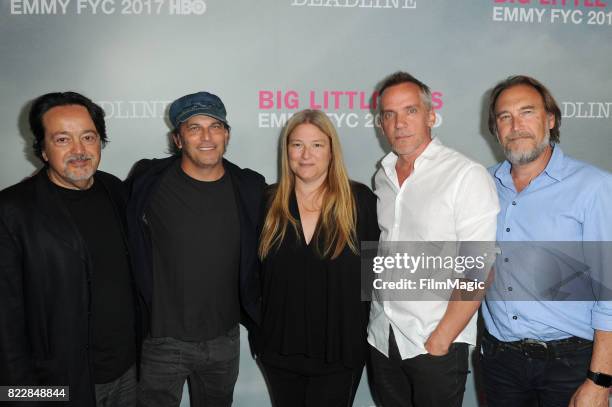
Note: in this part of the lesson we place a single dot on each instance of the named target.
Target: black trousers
(302, 385)
(547, 378)
(422, 381)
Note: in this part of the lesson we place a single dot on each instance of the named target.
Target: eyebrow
(67, 133)
(532, 107)
(401, 108)
(198, 124)
(312, 141)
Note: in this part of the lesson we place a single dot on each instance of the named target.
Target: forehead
(307, 131)
(403, 94)
(67, 118)
(517, 96)
(201, 119)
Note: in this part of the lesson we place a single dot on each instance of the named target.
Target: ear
(431, 118)
(378, 121)
(551, 121)
(177, 140)
(227, 137)
(44, 156)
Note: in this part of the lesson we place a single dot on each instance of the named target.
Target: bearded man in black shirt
(192, 222)
(68, 315)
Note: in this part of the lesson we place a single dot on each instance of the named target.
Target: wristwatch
(600, 379)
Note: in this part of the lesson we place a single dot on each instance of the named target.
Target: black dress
(313, 316)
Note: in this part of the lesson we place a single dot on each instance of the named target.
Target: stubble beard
(523, 157)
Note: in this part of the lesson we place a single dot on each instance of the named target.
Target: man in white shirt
(427, 192)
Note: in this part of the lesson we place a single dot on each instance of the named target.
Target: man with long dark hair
(68, 314)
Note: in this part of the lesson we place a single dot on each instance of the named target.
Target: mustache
(402, 133)
(520, 134)
(77, 157)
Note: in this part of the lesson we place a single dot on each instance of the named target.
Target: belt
(536, 349)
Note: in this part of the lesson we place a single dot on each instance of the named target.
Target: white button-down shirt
(448, 197)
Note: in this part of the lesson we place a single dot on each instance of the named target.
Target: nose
(513, 124)
(516, 123)
(205, 134)
(306, 152)
(400, 120)
(78, 147)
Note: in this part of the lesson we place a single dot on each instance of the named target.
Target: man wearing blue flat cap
(192, 222)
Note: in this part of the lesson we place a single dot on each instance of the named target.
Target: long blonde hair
(337, 221)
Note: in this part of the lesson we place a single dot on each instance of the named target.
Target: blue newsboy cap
(197, 103)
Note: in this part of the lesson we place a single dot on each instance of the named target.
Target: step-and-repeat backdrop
(270, 58)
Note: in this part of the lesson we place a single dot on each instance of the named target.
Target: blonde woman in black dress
(312, 342)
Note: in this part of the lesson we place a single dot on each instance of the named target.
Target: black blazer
(248, 188)
(45, 289)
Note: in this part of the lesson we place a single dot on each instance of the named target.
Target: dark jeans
(422, 381)
(515, 378)
(290, 388)
(121, 392)
(211, 367)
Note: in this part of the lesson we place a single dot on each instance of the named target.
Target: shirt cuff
(602, 316)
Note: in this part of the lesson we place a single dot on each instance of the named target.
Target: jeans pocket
(579, 359)
(225, 347)
(488, 349)
(452, 349)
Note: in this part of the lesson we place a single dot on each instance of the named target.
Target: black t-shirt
(313, 315)
(112, 298)
(195, 233)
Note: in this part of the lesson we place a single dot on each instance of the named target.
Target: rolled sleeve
(602, 316)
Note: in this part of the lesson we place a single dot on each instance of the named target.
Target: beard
(79, 173)
(521, 157)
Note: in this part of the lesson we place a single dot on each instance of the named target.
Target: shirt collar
(432, 150)
(554, 168)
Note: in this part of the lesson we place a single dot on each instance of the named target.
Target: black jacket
(248, 188)
(45, 289)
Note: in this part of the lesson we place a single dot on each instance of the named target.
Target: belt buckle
(534, 348)
(535, 342)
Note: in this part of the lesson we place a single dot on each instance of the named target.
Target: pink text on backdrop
(326, 100)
